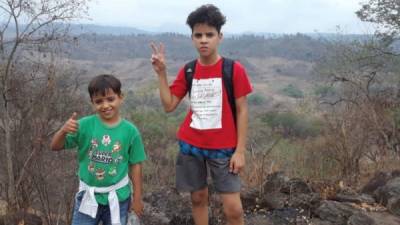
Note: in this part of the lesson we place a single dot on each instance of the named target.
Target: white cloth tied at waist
(89, 204)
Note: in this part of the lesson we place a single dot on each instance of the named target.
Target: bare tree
(27, 26)
(385, 13)
(360, 117)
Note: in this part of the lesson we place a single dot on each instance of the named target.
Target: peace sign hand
(158, 58)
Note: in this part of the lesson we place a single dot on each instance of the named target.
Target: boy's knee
(200, 198)
(233, 212)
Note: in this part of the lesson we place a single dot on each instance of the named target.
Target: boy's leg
(105, 216)
(233, 209)
(79, 218)
(228, 185)
(200, 206)
(191, 176)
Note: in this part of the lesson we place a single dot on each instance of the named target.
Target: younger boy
(212, 134)
(108, 146)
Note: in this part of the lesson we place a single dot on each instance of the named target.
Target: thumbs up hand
(71, 126)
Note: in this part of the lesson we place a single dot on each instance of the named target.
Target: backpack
(227, 77)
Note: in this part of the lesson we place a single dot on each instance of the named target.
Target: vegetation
(290, 124)
(324, 91)
(383, 13)
(341, 119)
(179, 47)
(256, 99)
(35, 96)
(292, 91)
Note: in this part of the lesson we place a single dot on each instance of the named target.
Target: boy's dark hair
(101, 83)
(208, 14)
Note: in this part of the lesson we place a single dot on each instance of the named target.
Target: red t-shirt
(209, 122)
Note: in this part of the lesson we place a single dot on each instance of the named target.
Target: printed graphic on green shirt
(97, 157)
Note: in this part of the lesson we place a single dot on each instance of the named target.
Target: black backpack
(227, 77)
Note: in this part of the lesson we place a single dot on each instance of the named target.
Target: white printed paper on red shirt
(206, 103)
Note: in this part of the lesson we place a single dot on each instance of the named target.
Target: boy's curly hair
(208, 14)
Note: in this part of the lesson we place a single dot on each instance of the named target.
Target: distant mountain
(78, 29)
(341, 37)
(184, 30)
(164, 28)
(170, 28)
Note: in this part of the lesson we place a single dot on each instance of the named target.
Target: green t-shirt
(105, 153)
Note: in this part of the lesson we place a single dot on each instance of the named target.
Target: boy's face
(206, 39)
(107, 106)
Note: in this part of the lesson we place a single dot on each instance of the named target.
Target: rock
(167, 206)
(316, 221)
(335, 212)
(389, 190)
(354, 198)
(258, 219)
(380, 179)
(288, 216)
(296, 186)
(360, 219)
(306, 202)
(394, 205)
(274, 200)
(275, 182)
(384, 218)
(153, 216)
(395, 173)
(284, 201)
(250, 199)
(176, 219)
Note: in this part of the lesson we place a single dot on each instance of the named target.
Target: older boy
(213, 133)
(108, 146)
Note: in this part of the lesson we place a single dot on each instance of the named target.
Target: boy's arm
(238, 158)
(169, 101)
(136, 178)
(58, 141)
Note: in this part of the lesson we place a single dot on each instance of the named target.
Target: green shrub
(292, 125)
(292, 91)
(324, 91)
(256, 99)
(396, 116)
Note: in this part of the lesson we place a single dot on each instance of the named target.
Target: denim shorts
(103, 213)
(193, 164)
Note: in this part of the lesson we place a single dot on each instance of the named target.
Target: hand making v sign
(158, 58)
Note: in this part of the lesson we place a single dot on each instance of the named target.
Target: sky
(243, 16)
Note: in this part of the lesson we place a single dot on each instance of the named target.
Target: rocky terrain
(291, 201)
(279, 201)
